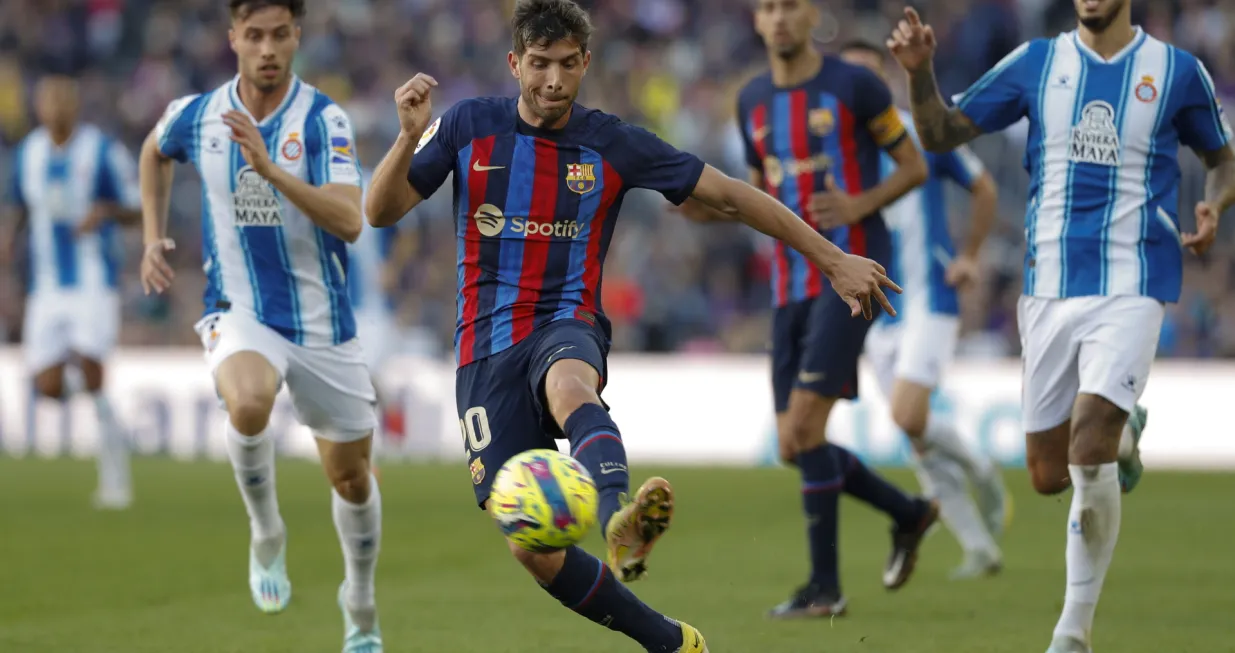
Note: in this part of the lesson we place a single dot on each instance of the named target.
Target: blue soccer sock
(586, 586)
(822, 482)
(596, 443)
(873, 489)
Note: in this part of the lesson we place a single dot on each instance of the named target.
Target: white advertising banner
(680, 409)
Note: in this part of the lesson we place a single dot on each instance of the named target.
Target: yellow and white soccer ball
(543, 500)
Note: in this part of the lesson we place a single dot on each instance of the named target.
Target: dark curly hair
(245, 8)
(541, 22)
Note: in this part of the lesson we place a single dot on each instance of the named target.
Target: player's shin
(1093, 528)
(944, 480)
(588, 587)
(822, 482)
(252, 459)
(596, 443)
(359, 525)
(115, 483)
(941, 435)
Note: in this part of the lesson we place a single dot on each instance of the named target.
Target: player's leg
(115, 481)
(332, 394)
(248, 362)
(1118, 338)
(494, 390)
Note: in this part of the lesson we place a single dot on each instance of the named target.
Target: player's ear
(231, 38)
(587, 60)
(513, 60)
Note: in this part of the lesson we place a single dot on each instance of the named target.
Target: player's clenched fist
(912, 42)
(415, 104)
(857, 280)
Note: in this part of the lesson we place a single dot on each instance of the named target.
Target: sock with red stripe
(822, 482)
(597, 445)
(586, 586)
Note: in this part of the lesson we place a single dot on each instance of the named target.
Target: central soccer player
(538, 184)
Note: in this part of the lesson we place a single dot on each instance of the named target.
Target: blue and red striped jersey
(535, 210)
(837, 122)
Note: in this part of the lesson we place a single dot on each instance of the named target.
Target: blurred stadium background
(689, 377)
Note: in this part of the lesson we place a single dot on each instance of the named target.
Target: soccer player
(538, 184)
(1107, 106)
(75, 186)
(909, 351)
(814, 129)
(281, 199)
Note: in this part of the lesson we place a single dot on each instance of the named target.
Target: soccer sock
(943, 479)
(113, 456)
(822, 482)
(253, 462)
(588, 587)
(871, 488)
(596, 443)
(1093, 528)
(942, 436)
(360, 534)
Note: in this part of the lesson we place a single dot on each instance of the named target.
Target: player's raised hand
(833, 207)
(1206, 229)
(912, 42)
(859, 279)
(415, 104)
(252, 145)
(157, 275)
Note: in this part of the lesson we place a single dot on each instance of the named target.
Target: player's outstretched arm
(857, 280)
(697, 211)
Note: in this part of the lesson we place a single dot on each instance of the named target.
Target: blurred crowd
(673, 66)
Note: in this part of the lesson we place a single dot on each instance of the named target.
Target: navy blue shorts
(815, 346)
(501, 399)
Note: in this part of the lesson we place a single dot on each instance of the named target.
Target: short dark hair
(862, 45)
(244, 8)
(541, 22)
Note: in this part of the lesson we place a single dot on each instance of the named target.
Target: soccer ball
(543, 500)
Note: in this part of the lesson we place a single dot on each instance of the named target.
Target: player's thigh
(882, 351)
(831, 346)
(332, 392)
(376, 334)
(788, 324)
(46, 339)
(498, 415)
(247, 360)
(95, 325)
(1118, 342)
(567, 368)
(1049, 350)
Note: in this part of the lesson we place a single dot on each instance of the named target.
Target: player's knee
(50, 383)
(1095, 420)
(351, 481)
(543, 566)
(911, 421)
(92, 375)
(250, 414)
(1048, 477)
(566, 393)
(803, 435)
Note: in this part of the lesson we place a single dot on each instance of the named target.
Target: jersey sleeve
(330, 143)
(14, 195)
(174, 131)
(998, 98)
(875, 111)
(961, 166)
(436, 153)
(645, 161)
(117, 175)
(748, 142)
(1201, 123)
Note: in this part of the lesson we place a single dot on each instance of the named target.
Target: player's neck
(60, 136)
(526, 114)
(1110, 41)
(798, 69)
(262, 103)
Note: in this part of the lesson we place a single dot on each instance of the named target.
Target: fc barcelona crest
(821, 121)
(581, 177)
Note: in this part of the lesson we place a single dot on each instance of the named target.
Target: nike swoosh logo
(479, 168)
(810, 377)
(611, 470)
(560, 351)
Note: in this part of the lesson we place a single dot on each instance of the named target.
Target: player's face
(55, 102)
(1097, 15)
(549, 78)
(867, 59)
(786, 25)
(265, 41)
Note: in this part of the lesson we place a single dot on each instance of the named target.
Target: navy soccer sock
(822, 482)
(872, 488)
(586, 586)
(596, 443)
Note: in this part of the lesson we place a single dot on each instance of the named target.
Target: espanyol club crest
(292, 148)
(580, 177)
(1146, 91)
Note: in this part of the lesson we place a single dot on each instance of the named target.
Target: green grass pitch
(170, 574)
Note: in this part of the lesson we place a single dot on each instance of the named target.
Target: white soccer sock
(113, 454)
(253, 462)
(942, 436)
(360, 534)
(944, 480)
(1093, 529)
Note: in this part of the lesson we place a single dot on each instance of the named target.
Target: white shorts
(1101, 346)
(330, 387)
(59, 324)
(916, 349)
(376, 332)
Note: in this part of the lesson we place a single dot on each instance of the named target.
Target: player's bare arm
(983, 204)
(697, 211)
(391, 195)
(857, 280)
(155, 172)
(836, 208)
(1219, 196)
(333, 207)
(941, 129)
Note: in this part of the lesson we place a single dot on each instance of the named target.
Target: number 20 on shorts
(475, 427)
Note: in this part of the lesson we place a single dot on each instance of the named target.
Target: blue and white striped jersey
(1102, 216)
(58, 187)
(368, 257)
(262, 255)
(922, 247)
